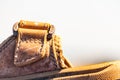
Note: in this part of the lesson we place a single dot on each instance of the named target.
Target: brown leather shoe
(34, 52)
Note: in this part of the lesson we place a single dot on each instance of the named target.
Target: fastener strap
(31, 41)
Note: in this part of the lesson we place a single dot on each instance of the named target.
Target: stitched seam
(6, 44)
(58, 50)
(31, 40)
(59, 53)
(27, 41)
(84, 73)
(54, 52)
(52, 57)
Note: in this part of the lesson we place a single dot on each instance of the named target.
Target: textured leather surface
(30, 52)
(31, 46)
(36, 53)
(9, 69)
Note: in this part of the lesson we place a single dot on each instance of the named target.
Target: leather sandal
(34, 52)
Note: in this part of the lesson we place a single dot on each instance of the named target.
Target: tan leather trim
(101, 71)
(58, 52)
(34, 25)
(40, 58)
(31, 46)
(32, 37)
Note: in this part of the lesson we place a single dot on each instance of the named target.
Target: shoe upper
(32, 48)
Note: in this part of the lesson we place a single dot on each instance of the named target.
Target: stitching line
(27, 40)
(52, 57)
(54, 51)
(57, 50)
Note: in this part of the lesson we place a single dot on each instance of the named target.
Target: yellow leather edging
(102, 71)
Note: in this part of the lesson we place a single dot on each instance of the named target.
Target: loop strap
(34, 25)
(31, 42)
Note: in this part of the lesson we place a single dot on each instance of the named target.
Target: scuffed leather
(8, 69)
(31, 46)
(49, 59)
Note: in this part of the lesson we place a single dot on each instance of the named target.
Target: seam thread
(29, 40)
(52, 57)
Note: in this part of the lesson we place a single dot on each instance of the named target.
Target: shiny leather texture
(34, 52)
(31, 51)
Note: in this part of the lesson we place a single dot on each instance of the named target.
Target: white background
(90, 29)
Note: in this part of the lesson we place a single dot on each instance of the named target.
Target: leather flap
(30, 46)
